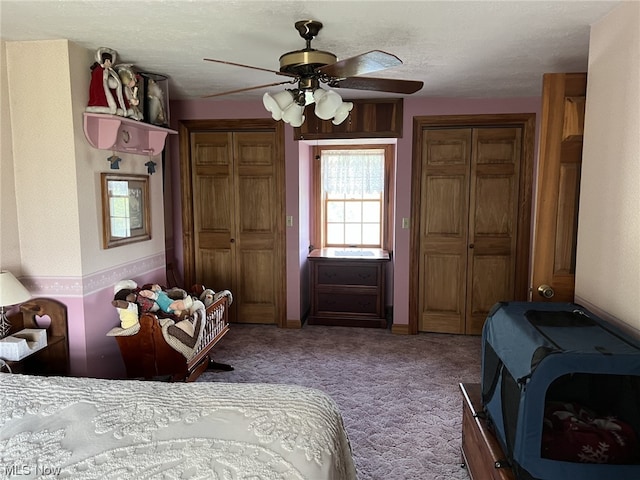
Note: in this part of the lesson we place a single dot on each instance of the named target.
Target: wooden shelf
(112, 132)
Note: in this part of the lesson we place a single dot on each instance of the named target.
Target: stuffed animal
(176, 293)
(128, 313)
(206, 297)
(165, 303)
(209, 297)
(127, 310)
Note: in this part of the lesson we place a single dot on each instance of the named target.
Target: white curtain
(353, 172)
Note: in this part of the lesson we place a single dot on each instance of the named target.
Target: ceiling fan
(309, 68)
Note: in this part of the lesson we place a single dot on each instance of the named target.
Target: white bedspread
(81, 428)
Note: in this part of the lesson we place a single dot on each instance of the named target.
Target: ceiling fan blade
(247, 89)
(249, 66)
(378, 84)
(369, 62)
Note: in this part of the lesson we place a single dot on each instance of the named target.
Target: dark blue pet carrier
(561, 390)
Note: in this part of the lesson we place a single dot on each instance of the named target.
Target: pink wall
(102, 353)
(298, 172)
(90, 315)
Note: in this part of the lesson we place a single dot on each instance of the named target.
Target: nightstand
(54, 358)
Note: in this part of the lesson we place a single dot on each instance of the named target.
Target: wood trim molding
(402, 329)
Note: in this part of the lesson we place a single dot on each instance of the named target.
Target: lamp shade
(11, 290)
(294, 115)
(327, 102)
(342, 113)
(277, 103)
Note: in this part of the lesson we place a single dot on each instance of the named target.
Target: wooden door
(472, 198)
(493, 222)
(443, 240)
(558, 186)
(234, 220)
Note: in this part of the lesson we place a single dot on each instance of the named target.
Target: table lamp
(11, 293)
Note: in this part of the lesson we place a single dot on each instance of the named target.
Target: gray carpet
(398, 394)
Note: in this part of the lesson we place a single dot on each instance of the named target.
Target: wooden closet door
(493, 222)
(444, 213)
(233, 216)
(259, 229)
(214, 213)
(469, 206)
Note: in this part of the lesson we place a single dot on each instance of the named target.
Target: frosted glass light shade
(11, 290)
(342, 113)
(327, 102)
(277, 103)
(294, 115)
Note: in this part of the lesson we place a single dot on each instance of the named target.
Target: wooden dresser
(481, 452)
(347, 287)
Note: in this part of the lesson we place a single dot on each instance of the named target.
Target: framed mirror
(126, 216)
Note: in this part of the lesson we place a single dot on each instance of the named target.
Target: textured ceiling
(458, 48)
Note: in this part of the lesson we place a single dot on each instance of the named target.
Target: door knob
(546, 291)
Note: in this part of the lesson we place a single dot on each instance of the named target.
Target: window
(352, 196)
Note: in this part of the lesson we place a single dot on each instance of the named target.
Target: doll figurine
(105, 88)
(129, 84)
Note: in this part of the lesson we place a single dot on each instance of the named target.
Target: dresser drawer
(347, 303)
(347, 274)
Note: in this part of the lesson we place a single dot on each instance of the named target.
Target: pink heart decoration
(42, 321)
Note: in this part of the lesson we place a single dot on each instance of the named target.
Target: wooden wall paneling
(370, 118)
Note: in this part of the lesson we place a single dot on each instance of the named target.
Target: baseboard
(400, 329)
(293, 324)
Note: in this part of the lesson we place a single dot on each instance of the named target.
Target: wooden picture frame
(126, 216)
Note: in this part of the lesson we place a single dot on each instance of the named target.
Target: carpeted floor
(398, 394)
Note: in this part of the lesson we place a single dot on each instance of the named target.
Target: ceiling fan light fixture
(278, 103)
(342, 113)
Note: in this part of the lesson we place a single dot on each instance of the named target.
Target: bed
(83, 428)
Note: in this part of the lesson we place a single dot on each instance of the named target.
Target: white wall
(44, 153)
(9, 239)
(608, 254)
